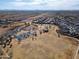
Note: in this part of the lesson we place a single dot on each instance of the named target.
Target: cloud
(18, 0)
(21, 3)
(45, 4)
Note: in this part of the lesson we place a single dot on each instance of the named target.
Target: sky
(39, 4)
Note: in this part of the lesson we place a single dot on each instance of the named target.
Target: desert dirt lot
(2, 30)
(45, 46)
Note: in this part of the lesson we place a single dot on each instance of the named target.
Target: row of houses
(66, 26)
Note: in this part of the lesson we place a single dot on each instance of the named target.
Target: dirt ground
(3, 30)
(45, 46)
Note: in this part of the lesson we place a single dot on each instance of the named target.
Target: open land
(39, 34)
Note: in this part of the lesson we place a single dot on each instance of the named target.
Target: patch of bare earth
(45, 46)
